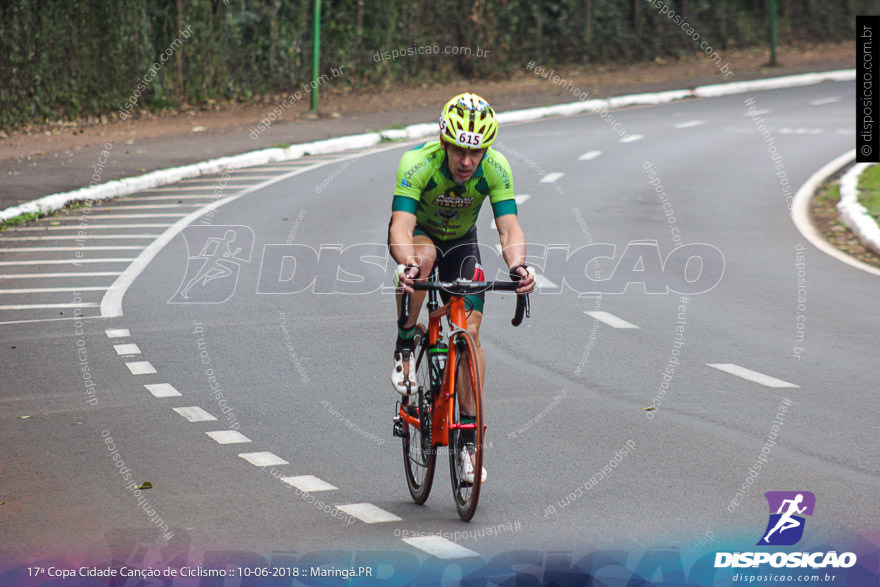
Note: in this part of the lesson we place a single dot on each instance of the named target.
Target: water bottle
(438, 353)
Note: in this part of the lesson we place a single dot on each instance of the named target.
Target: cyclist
(440, 188)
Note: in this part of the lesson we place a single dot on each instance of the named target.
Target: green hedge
(63, 60)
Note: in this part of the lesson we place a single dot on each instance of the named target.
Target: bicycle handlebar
(465, 287)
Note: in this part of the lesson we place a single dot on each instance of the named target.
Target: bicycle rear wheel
(467, 375)
(419, 456)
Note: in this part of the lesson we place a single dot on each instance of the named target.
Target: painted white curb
(853, 214)
(800, 213)
(131, 185)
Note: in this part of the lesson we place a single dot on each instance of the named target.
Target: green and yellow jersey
(444, 209)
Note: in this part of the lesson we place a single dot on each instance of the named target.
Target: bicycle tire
(467, 369)
(419, 455)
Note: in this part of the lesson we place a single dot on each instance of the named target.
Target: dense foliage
(62, 59)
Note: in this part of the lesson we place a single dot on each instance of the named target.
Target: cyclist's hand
(404, 276)
(526, 276)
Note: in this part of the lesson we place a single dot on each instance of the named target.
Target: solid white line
(162, 390)
(65, 261)
(52, 275)
(70, 237)
(551, 177)
(309, 483)
(263, 459)
(368, 513)
(47, 306)
(800, 213)
(195, 414)
(127, 349)
(610, 319)
(228, 437)
(172, 197)
(111, 304)
(141, 368)
(589, 155)
(821, 101)
(38, 249)
(117, 332)
(180, 187)
(544, 283)
(690, 123)
(51, 290)
(92, 227)
(138, 215)
(631, 138)
(123, 207)
(440, 547)
(750, 375)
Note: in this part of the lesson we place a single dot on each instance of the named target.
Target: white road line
(140, 198)
(800, 131)
(829, 100)
(127, 349)
(750, 375)
(228, 437)
(610, 319)
(141, 368)
(102, 216)
(162, 390)
(195, 414)
(690, 123)
(309, 483)
(263, 459)
(551, 177)
(54, 249)
(522, 198)
(64, 261)
(440, 547)
(589, 155)
(631, 138)
(368, 513)
(181, 187)
(120, 206)
(70, 237)
(53, 275)
(51, 290)
(758, 113)
(544, 283)
(91, 227)
(117, 332)
(48, 306)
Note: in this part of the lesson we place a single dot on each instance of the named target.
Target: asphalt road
(755, 318)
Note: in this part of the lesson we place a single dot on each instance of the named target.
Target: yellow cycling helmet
(468, 121)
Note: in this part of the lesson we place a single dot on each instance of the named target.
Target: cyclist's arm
(400, 237)
(513, 247)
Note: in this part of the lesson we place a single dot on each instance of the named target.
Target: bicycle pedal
(399, 428)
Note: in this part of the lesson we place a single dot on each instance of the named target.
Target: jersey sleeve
(413, 173)
(500, 184)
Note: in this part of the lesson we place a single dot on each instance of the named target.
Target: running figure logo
(786, 526)
(212, 273)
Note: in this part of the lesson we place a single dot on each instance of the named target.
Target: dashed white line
(829, 100)
(102, 216)
(141, 368)
(589, 155)
(195, 414)
(309, 483)
(544, 283)
(127, 349)
(750, 375)
(522, 198)
(92, 227)
(228, 437)
(610, 319)
(263, 459)
(368, 513)
(631, 138)
(161, 390)
(70, 237)
(551, 177)
(757, 113)
(690, 123)
(65, 261)
(800, 131)
(440, 547)
(64, 249)
(117, 332)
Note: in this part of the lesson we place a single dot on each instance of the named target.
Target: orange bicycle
(447, 373)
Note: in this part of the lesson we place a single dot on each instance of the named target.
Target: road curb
(130, 185)
(800, 212)
(853, 214)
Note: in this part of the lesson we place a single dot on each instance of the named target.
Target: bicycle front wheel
(419, 456)
(468, 400)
